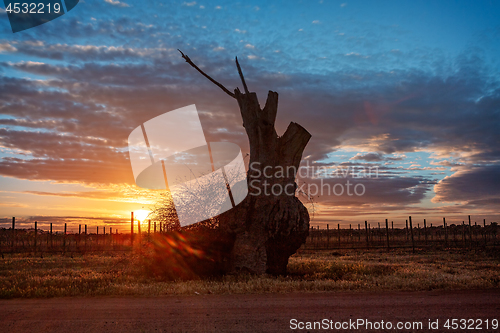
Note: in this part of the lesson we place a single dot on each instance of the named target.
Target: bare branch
(241, 76)
(205, 75)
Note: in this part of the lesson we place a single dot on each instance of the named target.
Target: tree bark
(271, 223)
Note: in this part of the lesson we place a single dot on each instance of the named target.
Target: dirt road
(247, 313)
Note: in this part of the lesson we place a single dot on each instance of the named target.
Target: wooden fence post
(51, 243)
(327, 236)
(318, 239)
(359, 232)
(387, 233)
(412, 240)
(463, 233)
(445, 232)
(13, 234)
(149, 227)
(425, 232)
(64, 237)
(154, 230)
(317, 235)
(36, 231)
(367, 239)
(407, 230)
(131, 228)
(470, 232)
(338, 228)
(484, 231)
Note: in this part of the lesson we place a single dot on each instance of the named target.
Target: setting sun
(141, 214)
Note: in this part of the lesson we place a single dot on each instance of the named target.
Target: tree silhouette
(268, 226)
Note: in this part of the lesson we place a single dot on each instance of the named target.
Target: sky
(402, 97)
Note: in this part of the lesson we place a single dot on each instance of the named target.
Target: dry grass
(309, 272)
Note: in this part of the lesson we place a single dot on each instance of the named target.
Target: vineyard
(363, 236)
(384, 235)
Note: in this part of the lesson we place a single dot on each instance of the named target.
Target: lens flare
(141, 214)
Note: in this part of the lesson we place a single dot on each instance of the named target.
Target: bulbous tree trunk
(271, 223)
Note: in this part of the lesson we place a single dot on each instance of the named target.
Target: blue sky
(409, 86)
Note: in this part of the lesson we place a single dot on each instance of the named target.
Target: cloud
(370, 157)
(7, 47)
(73, 124)
(117, 3)
(478, 186)
(67, 171)
(315, 22)
(353, 89)
(122, 29)
(13, 205)
(369, 193)
(116, 193)
(81, 136)
(189, 4)
(250, 46)
(91, 52)
(355, 54)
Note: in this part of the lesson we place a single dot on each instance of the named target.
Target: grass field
(123, 274)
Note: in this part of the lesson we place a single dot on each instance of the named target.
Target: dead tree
(271, 223)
